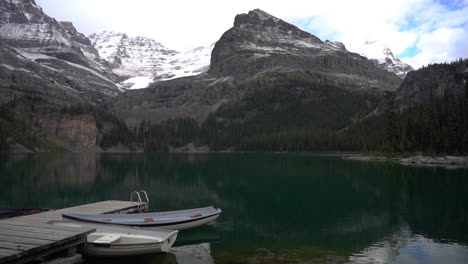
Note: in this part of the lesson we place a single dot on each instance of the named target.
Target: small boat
(120, 241)
(175, 220)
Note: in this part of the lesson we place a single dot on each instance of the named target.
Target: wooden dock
(26, 238)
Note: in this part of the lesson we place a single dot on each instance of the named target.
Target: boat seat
(108, 239)
(149, 220)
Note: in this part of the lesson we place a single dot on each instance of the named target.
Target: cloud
(401, 25)
(436, 30)
(441, 32)
(441, 45)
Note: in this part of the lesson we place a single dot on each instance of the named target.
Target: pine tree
(392, 129)
(4, 146)
(465, 112)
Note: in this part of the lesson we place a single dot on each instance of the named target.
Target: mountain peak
(388, 52)
(265, 42)
(261, 27)
(381, 55)
(262, 15)
(257, 17)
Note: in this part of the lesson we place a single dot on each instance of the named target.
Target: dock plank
(37, 230)
(41, 250)
(23, 240)
(15, 246)
(17, 233)
(26, 238)
(8, 252)
(45, 227)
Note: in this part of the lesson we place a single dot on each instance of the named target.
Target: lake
(277, 208)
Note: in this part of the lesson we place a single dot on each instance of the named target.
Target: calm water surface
(277, 208)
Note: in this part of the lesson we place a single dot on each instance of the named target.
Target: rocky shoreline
(419, 160)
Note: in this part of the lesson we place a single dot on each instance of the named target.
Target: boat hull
(126, 250)
(172, 220)
(117, 240)
(182, 226)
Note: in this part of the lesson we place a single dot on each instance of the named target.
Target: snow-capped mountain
(141, 60)
(64, 61)
(382, 56)
(261, 55)
(24, 25)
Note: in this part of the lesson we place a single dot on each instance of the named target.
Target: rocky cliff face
(430, 82)
(381, 56)
(257, 45)
(141, 60)
(76, 133)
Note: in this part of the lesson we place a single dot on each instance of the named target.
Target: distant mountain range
(143, 60)
(263, 78)
(258, 47)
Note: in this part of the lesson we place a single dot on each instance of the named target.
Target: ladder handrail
(138, 201)
(142, 206)
(146, 195)
(138, 196)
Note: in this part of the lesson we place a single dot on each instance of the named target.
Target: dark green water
(277, 208)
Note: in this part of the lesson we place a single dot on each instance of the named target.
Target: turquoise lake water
(277, 208)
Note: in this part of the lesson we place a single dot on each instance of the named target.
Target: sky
(418, 31)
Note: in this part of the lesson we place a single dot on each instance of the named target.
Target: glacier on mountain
(141, 60)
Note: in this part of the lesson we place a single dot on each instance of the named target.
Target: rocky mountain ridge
(68, 63)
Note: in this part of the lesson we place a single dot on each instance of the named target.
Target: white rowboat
(174, 220)
(119, 241)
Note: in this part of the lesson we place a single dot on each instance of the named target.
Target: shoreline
(451, 162)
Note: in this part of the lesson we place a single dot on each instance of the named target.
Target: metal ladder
(143, 206)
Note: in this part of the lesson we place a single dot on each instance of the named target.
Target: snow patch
(28, 16)
(267, 49)
(42, 33)
(90, 70)
(138, 82)
(33, 56)
(11, 68)
(308, 44)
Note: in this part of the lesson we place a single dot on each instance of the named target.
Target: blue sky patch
(452, 4)
(409, 52)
